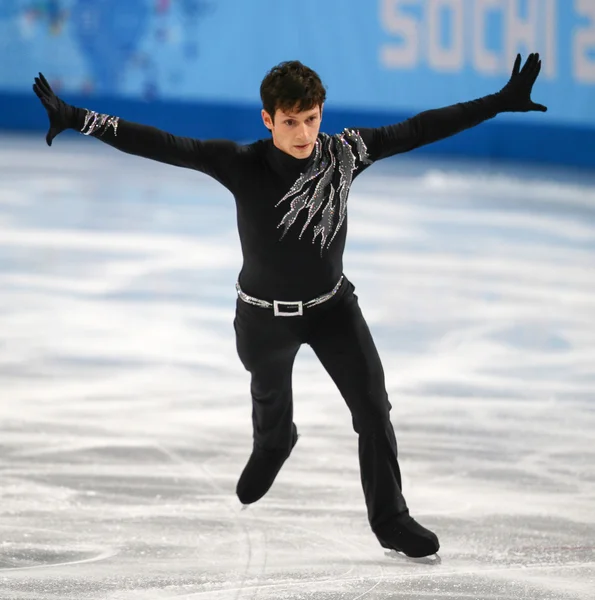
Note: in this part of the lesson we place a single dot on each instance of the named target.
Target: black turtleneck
(291, 213)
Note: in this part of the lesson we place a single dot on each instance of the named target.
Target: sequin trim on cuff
(97, 124)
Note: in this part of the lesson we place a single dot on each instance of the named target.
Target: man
(291, 197)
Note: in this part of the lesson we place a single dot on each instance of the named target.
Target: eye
(288, 122)
(312, 118)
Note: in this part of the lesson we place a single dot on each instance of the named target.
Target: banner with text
(377, 55)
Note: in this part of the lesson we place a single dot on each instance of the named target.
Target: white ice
(125, 413)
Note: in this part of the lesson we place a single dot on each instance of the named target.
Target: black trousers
(338, 334)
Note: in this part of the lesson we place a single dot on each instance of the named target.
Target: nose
(303, 133)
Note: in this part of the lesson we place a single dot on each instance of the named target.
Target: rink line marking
(390, 579)
(104, 555)
(313, 532)
(172, 455)
(366, 593)
(260, 521)
(239, 522)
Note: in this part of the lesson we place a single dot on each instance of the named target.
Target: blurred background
(194, 66)
(124, 410)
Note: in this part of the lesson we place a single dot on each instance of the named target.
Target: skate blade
(433, 559)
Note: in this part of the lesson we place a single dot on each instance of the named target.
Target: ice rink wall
(194, 66)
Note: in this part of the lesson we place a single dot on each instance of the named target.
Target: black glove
(62, 116)
(516, 94)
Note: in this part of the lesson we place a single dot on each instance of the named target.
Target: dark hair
(291, 85)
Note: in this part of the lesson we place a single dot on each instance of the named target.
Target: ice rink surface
(125, 414)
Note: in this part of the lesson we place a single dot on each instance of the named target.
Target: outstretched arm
(213, 157)
(437, 124)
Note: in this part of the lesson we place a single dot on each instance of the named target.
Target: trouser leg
(267, 347)
(343, 343)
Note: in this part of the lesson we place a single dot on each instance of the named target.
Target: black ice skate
(404, 534)
(260, 472)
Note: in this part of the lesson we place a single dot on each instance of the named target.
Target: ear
(266, 119)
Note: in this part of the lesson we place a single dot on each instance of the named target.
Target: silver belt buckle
(280, 313)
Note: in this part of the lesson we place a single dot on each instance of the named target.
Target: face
(293, 132)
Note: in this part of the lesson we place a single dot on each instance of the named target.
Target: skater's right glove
(62, 116)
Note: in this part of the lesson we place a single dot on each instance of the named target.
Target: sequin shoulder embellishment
(325, 186)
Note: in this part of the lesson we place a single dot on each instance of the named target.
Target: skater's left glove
(516, 94)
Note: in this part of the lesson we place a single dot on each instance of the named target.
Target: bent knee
(372, 422)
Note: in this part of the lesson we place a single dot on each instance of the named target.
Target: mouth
(303, 147)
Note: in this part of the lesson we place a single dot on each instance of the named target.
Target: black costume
(292, 222)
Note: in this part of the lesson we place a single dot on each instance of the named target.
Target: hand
(517, 92)
(61, 115)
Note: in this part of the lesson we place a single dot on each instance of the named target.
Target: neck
(288, 159)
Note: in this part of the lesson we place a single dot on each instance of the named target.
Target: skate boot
(260, 472)
(404, 534)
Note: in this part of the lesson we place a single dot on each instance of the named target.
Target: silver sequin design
(96, 123)
(315, 187)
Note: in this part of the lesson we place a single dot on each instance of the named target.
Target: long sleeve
(429, 126)
(215, 158)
